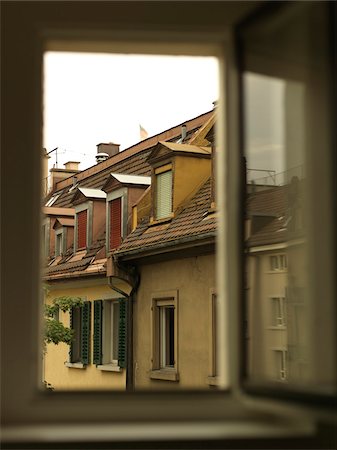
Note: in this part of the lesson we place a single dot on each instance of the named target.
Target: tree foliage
(55, 331)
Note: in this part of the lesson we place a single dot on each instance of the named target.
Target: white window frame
(160, 173)
(110, 333)
(278, 262)
(278, 321)
(161, 302)
(25, 410)
(60, 233)
(281, 363)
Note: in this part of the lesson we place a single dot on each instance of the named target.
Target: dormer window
(59, 243)
(115, 223)
(122, 191)
(163, 193)
(82, 219)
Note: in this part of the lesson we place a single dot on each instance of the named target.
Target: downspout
(130, 301)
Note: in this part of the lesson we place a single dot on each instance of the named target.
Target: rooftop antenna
(54, 150)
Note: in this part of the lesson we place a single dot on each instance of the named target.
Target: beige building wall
(264, 338)
(193, 279)
(66, 378)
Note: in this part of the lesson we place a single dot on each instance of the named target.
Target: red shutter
(82, 229)
(115, 223)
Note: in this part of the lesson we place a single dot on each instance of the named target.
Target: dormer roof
(164, 149)
(55, 211)
(84, 194)
(64, 222)
(116, 180)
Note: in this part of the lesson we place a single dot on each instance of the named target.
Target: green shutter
(85, 332)
(98, 308)
(71, 325)
(122, 333)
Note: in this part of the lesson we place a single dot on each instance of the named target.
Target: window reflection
(284, 87)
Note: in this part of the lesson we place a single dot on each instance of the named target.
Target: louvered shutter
(85, 332)
(115, 223)
(122, 333)
(98, 309)
(82, 229)
(71, 325)
(163, 194)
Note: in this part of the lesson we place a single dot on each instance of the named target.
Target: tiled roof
(131, 161)
(194, 221)
(275, 204)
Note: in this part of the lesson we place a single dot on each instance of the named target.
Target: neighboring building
(173, 250)
(276, 307)
(87, 218)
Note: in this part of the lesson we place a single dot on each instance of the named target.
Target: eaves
(190, 245)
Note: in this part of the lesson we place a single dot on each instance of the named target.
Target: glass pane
(132, 214)
(285, 96)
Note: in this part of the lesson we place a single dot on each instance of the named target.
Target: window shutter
(82, 229)
(163, 194)
(115, 223)
(71, 325)
(98, 308)
(122, 333)
(85, 333)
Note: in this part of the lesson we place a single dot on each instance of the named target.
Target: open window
(173, 416)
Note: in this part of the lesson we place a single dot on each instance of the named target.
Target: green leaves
(55, 331)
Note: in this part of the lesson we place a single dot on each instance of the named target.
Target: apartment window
(109, 334)
(163, 194)
(280, 364)
(166, 336)
(164, 339)
(59, 243)
(80, 323)
(278, 262)
(82, 218)
(115, 229)
(277, 305)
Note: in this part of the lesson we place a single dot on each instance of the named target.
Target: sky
(94, 98)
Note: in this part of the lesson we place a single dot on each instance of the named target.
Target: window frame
(60, 232)
(121, 193)
(30, 29)
(158, 172)
(160, 302)
(86, 206)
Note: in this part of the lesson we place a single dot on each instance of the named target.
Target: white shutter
(164, 194)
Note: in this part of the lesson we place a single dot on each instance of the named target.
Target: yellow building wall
(65, 378)
(194, 279)
(189, 175)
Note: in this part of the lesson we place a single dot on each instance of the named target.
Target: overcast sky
(93, 98)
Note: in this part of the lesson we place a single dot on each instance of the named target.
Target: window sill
(275, 327)
(213, 381)
(154, 222)
(165, 374)
(109, 368)
(77, 365)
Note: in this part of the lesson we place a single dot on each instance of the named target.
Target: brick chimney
(71, 168)
(110, 148)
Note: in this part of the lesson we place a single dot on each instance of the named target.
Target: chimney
(183, 132)
(71, 165)
(71, 168)
(110, 148)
